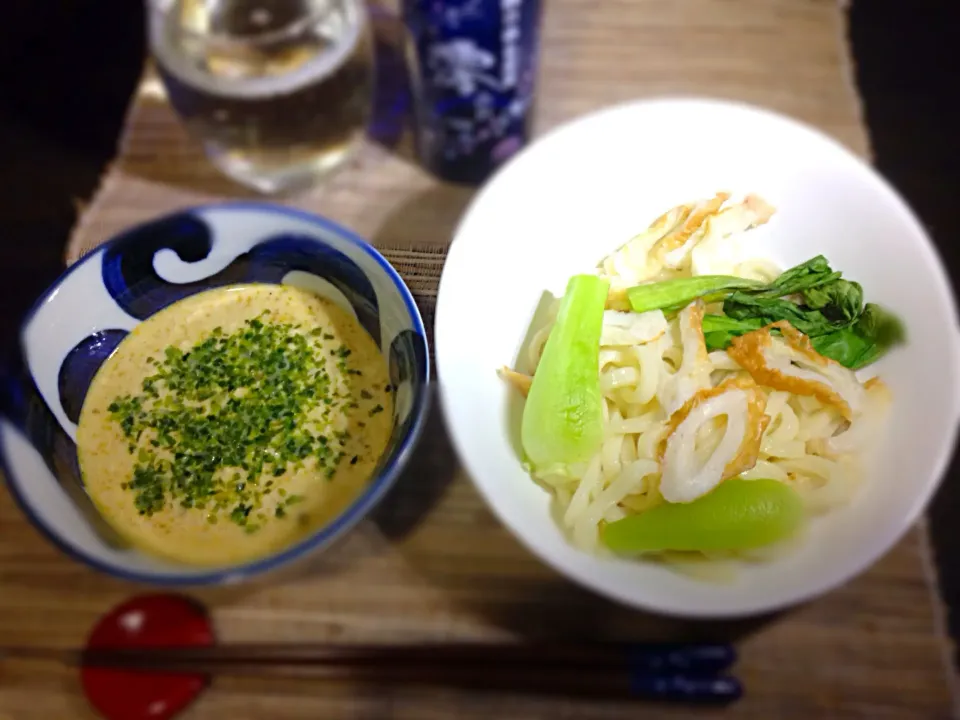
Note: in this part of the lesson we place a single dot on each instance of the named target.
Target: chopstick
(686, 673)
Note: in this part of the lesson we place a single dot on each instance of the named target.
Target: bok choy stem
(680, 292)
(563, 417)
(736, 515)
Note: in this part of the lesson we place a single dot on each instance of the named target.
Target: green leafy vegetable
(841, 301)
(829, 310)
(681, 291)
(770, 310)
(855, 346)
(811, 296)
(838, 325)
(810, 274)
(736, 515)
(883, 327)
(722, 323)
(865, 342)
(563, 416)
(719, 330)
(847, 347)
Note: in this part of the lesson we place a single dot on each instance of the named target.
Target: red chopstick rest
(147, 621)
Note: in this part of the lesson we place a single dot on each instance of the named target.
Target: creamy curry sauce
(317, 426)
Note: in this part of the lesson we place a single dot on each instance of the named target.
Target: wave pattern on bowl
(81, 320)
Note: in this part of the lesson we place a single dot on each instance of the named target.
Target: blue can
(474, 74)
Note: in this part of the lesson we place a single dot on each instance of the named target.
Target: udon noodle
(807, 443)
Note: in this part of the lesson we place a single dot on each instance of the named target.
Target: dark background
(68, 68)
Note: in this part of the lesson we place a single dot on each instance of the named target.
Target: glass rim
(223, 39)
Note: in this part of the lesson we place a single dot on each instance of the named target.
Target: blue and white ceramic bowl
(79, 321)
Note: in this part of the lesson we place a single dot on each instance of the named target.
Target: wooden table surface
(433, 563)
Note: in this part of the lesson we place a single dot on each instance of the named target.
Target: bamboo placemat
(434, 563)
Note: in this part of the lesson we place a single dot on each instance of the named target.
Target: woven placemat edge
(112, 174)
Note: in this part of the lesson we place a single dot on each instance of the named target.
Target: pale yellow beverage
(279, 92)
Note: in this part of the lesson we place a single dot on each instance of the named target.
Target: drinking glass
(278, 91)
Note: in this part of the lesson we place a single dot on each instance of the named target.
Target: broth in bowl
(234, 423)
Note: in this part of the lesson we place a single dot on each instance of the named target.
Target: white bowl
(585, 189)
